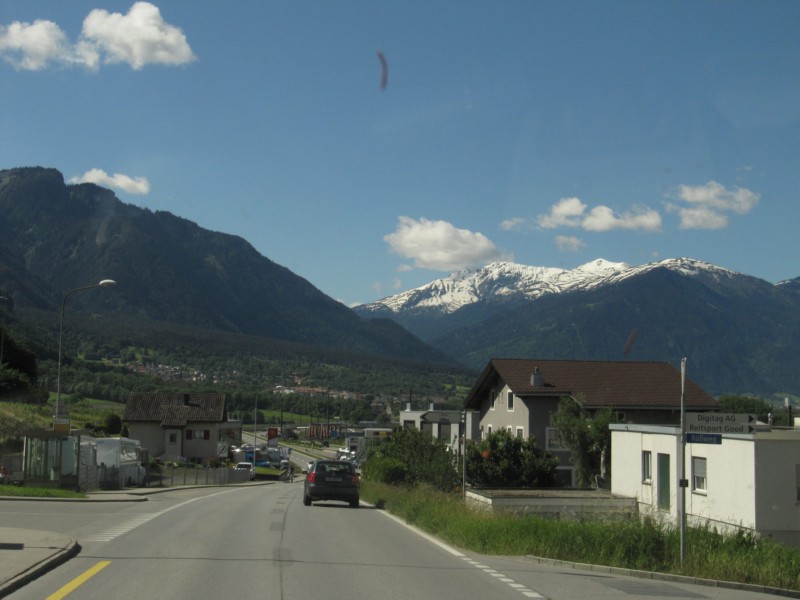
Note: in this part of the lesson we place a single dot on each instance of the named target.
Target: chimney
(536, 378)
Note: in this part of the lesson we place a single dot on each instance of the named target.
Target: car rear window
(334, 468)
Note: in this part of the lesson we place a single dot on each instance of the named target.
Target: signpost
(719, 423)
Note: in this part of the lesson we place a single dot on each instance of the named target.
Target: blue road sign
(703, 438)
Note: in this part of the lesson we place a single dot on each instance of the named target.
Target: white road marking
(527, 592)
(114, 532)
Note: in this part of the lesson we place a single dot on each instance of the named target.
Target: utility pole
(682, 481)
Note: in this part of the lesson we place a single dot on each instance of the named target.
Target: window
(553, 440)
(488, 430)
(510, 400)
(699, 474)
(492, 398)
(647, 466)
(198, 434)
(173, 438)
(520, 432)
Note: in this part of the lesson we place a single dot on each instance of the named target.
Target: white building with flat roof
(747, 481)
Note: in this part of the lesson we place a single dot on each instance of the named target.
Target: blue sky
(546, 133)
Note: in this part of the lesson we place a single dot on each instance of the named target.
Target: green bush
(503, 460)
(384, 469)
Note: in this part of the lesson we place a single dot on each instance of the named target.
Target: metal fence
(168, 476)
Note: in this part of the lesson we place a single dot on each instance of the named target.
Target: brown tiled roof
(175, 410)
(616, 384)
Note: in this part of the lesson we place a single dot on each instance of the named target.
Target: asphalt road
(261, 542)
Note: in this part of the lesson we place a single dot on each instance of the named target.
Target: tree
(588, 438)
(757, 406)
(113, 424)
(502, 460)
(415, 457)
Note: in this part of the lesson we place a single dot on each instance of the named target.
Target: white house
(173, 426)
(443, 424)
(747, 481)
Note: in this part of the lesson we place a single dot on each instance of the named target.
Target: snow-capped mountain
(504, 281)
(741, 333)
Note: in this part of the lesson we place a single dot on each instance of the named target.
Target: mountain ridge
(56, 237)
(741, 331)
(468, 286)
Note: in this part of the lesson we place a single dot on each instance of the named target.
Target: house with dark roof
(190, 426)
(519, 395)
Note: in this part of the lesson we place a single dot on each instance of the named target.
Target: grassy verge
(634, 545)
(34, 492)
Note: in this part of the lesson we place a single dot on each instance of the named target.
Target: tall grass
(644, 545)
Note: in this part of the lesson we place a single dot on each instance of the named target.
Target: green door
(663, 481)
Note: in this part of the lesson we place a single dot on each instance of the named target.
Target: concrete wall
(554, 504)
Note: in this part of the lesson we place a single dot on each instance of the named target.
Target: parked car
(246, 466)
(332, 480)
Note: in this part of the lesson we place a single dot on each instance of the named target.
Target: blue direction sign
(703, 438)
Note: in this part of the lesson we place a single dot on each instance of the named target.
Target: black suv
(332, 480)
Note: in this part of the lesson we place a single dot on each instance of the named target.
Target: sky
(372, 147)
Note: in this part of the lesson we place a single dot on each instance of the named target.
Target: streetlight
(103, 283)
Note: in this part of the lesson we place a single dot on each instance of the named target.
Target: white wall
(751, 478)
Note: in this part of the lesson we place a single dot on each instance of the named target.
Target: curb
(670, 577)
(51, 562)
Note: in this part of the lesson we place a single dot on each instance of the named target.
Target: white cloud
(139, 38)
(439, 246)
(565, 213)
(514, 224)
(707, 205)
(571, 212)
(602, 218)
(568, 243)
(117, 181)
(33, 46)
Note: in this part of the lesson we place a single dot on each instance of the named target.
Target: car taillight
(311, 477)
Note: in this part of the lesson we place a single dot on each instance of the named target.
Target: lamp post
(103, 283)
